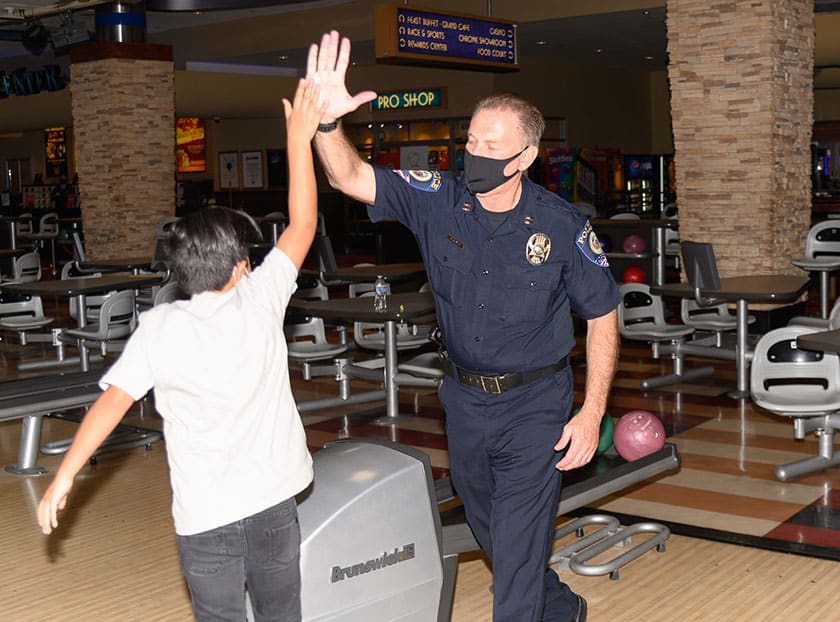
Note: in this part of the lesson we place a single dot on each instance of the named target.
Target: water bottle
(381, 289)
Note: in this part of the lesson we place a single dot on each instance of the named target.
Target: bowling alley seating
(307, 343)
(170, 292)
(371, 335)
(803, 385)
(116, 320)
(145, 297)
(641, 317)
(822, 255)
(716, 319)
(25, 269)
(829, 323)
(47, 231)
(23, 316)
(23, 227)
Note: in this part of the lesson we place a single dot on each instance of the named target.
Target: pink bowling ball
(633, 244)
(637, 434)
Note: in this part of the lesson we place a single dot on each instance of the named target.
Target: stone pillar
(741, 75)
(123, 101)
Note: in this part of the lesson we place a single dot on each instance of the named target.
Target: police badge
(538, 249)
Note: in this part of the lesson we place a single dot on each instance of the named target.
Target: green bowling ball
(605, 437)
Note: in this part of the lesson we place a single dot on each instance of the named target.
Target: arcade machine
(372, 542)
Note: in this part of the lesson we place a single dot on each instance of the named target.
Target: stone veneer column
(741, 76)
(123, 100)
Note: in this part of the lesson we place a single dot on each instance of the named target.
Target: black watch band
(328, 127)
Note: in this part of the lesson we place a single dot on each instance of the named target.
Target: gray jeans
(261, 552)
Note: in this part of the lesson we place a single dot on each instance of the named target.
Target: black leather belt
(499, 383)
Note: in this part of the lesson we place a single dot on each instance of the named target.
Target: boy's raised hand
(327, 66)
(304, 115)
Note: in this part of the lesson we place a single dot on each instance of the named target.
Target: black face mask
(483, 174)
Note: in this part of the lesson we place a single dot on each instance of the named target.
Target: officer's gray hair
(531, 121)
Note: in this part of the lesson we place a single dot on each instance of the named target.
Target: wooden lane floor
(114, 558)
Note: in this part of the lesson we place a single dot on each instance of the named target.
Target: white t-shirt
(218, 364)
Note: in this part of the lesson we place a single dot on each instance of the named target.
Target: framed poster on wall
(229, 170)
(252, 169)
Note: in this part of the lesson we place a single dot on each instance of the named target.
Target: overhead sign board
(409, 100)
(412, 35)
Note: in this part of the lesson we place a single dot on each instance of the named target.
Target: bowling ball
(633, 244)
(637, 434)
(605, 435)
(606, 242)
(634, 274)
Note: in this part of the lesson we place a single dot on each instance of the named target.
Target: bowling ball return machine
(374, 545)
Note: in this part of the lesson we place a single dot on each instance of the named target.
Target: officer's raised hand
(327, 66)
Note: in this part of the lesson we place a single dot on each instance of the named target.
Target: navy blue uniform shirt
(503, 294)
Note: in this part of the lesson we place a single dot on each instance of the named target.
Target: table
(824, 341)
(742, 290)
(391, 271)
(401, 307)
(825, 265)
(78, 289)
(135, 265)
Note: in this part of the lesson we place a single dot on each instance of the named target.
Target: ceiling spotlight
(36, 37)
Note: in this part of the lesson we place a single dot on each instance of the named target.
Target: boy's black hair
(205, 246)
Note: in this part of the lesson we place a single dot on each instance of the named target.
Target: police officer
(507, 262)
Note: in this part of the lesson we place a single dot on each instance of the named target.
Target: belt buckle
(490, 384)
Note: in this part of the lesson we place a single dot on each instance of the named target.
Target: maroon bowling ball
(633, 244)
(637, 434)
(634, 274)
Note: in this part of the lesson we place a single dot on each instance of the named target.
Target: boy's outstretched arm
(98, 423)
(302, 118)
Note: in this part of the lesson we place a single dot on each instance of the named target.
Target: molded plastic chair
(822, 250)
(25, 269)
(23, 316)
(371, 335)
(116, 321)
(717, 319)
(93, 302)
(47, 230)
(801, 384)
(829, 323)
(169, 293)
(23, 227)
(307, 341)
(641, 317)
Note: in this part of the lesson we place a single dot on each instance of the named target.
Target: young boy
(218, 364)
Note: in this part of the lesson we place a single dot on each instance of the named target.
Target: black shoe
(580, 615)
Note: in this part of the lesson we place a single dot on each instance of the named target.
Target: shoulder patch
(427, 181)
(589, 244)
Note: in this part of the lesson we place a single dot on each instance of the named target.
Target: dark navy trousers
(501, 452)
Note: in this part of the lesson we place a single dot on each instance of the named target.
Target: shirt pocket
(531, 290)
(451, 275)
